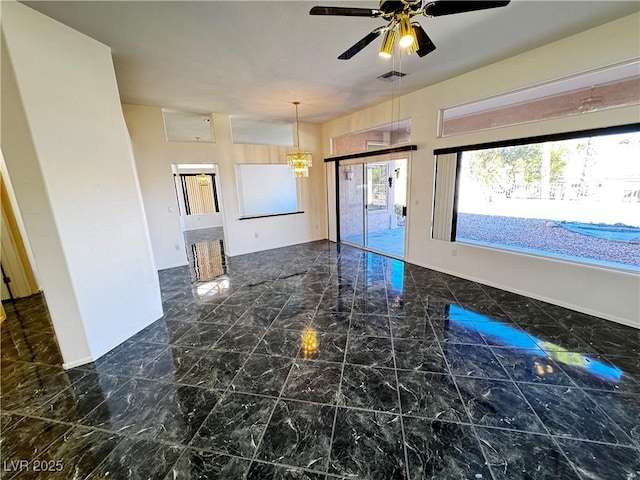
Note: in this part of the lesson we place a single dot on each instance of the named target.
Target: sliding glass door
(372, 205)
(352, 207)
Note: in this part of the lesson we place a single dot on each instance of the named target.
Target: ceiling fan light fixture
(413, 48)
(398, 13)
(407, 34)
(387, 43)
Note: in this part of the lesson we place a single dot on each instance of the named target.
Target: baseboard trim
(173, 266)
(77, 363)
(577, 308)
(274, 247)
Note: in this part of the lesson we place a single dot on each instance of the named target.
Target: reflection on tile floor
(405, 373)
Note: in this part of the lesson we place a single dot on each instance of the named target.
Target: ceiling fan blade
(345, 11)
(425, 45)
(448, 7)
(361, 44)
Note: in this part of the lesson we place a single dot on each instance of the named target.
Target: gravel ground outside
(544, 236)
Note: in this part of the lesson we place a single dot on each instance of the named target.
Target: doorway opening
(372, 197)
(199, 202)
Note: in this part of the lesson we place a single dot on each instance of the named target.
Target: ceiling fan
(398, 14)
(587, 104)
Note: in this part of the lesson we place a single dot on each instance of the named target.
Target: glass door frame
(358, 173)
(367, 158)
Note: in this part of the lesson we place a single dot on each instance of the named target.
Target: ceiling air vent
(388, 77)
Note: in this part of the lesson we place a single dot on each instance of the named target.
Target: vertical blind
(444, 198)
(199, 198)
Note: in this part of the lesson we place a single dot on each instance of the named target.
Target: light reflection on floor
(207, 260)
(510, 336)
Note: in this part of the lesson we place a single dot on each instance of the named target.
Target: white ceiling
(252, 59)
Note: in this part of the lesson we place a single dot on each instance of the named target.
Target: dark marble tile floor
(321, 361)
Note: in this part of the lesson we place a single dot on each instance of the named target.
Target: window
(382, 136)
(377, 189)
(573, 198)
(200, 196)
(611, 87)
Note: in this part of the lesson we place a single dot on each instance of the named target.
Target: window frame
(373, 207)
(458, 151)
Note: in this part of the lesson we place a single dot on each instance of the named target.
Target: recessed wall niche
(192, 127)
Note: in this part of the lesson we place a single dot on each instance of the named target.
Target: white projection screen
(266, 189)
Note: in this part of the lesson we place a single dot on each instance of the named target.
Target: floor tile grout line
(227, 389)
(568, 376)
(466, 408)
(598, 406)
(268, 422)
(344, 359)
(395, 372)
(204, 350)
(138, 438)
(168, 442)
(296, 467)
(474, 429)
(573, 383)
(46, 449)
(555, 442)
(71, 384)
(575, 386)
(573, 466)
(606, 414)
(121, 387)
(90, 474)
(292, 366)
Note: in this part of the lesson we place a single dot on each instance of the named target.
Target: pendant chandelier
(299, 161)
(203, 180)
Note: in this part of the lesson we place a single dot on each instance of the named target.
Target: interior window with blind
(200, 196)
(576, 199)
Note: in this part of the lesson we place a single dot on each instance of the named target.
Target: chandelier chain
(297, 126)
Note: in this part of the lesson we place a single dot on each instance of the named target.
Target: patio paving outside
(389, 241)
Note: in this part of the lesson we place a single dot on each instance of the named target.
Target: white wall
(610, 294)
(198, 222)
(154, 157)
(69, 158)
